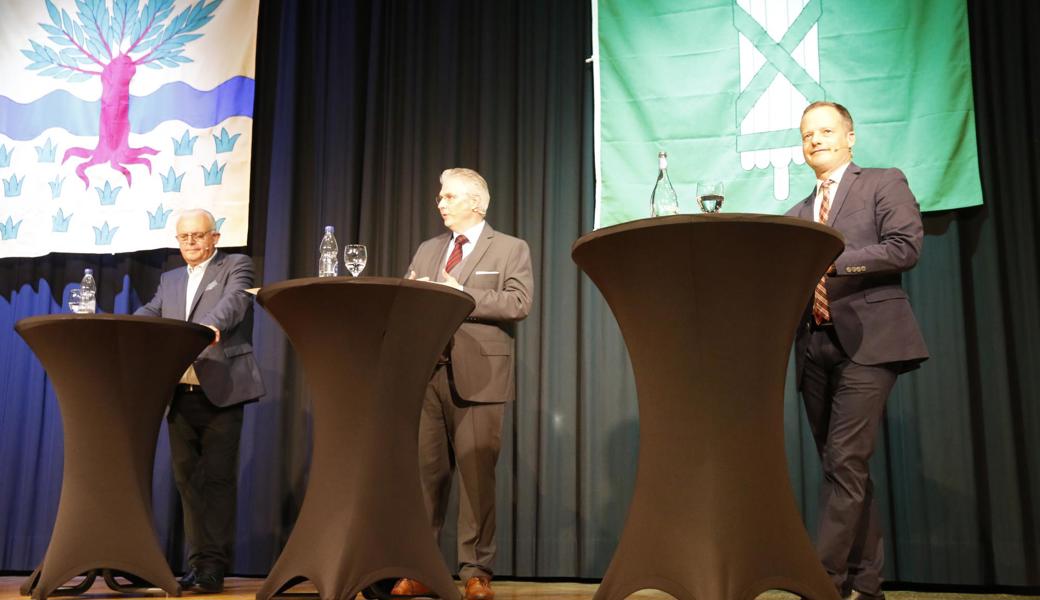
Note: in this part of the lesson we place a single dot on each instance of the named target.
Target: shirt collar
(472, 234)
(835, 176)
(201, 267)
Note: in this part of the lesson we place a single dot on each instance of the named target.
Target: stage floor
(240, 588)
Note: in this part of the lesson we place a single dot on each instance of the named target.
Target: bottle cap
(330, 229)
(88, 271)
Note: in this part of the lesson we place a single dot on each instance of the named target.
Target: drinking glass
(354, 257)
(76, 303)
(710, 195)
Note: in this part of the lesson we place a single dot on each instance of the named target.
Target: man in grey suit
(858, 334)
(461, 422)
(205, 417)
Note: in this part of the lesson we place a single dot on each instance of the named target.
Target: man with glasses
(461, 423)
(205, 416)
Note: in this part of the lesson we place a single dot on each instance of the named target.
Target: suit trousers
(456, 434)
(204, 448)
(844, 403)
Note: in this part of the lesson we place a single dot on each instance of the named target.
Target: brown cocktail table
(368, 347)
(708, 306)
(113, 376)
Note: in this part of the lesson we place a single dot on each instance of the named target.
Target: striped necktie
(456, 254)
(821, 309)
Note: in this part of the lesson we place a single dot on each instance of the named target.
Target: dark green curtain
(361, 105)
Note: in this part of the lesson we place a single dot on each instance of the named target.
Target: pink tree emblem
(112, 45)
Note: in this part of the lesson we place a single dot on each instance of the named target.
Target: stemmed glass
(80, 302)
(710, 195)
(76, 303)
(354, 257)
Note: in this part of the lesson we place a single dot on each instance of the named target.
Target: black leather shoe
(189, 579)
(211, 583)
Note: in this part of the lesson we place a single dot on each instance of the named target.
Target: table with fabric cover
(113, 376)
(368, 347)
(708, 306)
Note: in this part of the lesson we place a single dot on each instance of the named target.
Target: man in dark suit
(205, 417)
(461, 422)
(859, 333)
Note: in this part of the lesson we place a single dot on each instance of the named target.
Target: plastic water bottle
(663, 200)
(328, 254)
(88, 292)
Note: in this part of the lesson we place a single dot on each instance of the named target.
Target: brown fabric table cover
(113, 376)
(708, 306)
(368, 347)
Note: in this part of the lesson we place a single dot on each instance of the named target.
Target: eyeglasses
(449, 198)
(186, 238)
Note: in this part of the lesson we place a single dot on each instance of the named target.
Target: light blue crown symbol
(108, 195)
(9, 230)
(103, 235)
(56, 186)
(59, 222)
(171, 181)
(219, 222)
(185, 146)
(45, 153)
(13, 186)
(5, 156)
(213, 175)
(157, 220)
(224, 142)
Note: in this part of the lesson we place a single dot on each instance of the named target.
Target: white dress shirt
(194, 279)
(472, 235)
(836, 178)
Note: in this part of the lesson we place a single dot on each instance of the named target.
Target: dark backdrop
(360, 105)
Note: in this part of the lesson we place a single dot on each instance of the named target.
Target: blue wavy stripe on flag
(173, 101)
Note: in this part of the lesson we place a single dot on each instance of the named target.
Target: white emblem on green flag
(721, 84)
(775, 80)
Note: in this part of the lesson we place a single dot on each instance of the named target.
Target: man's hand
(450, 281)
(216, 336)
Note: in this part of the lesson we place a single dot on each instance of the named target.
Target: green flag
(720, 85)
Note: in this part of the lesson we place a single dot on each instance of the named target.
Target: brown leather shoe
(479, 588)
(410, 588)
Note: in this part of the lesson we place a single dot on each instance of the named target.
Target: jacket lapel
(438, 259)
(477, 253)
(179, 288)
(847, 181)
(805, 211)
(208, 277)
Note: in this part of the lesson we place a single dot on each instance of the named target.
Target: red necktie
(821, 309)
(456, 254)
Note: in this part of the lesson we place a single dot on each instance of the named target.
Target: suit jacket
(227, 370)
(878, 215)
(497, 274)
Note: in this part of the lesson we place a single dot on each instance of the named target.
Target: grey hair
(191, 212)
(477, 185)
